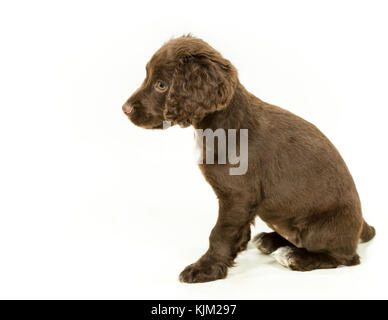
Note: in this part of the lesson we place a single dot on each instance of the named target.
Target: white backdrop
(94, 207)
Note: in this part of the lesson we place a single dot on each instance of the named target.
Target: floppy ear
(201, 85)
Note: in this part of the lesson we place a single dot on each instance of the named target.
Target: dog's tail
(367, 233)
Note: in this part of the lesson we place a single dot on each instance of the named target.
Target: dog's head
(186, 80)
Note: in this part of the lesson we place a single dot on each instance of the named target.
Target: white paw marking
(283, 256)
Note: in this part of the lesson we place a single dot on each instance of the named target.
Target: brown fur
(296, 182)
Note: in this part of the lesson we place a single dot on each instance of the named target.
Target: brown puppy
(296, 180)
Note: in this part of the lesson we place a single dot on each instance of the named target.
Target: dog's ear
(202, 84)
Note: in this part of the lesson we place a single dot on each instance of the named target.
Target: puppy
(295, 181)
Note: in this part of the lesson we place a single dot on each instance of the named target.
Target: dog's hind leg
(324, 241)
(300, 259)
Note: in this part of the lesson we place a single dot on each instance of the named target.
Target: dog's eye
(160, 86)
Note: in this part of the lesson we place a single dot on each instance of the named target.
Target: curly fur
(296, 181)
(203, 82)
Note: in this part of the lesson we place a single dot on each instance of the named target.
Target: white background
(93, 207)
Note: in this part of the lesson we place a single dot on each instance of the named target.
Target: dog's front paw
(203, 272)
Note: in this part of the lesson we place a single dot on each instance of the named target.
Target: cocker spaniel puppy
(295, 181)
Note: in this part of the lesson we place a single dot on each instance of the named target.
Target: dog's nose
(127, 108)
